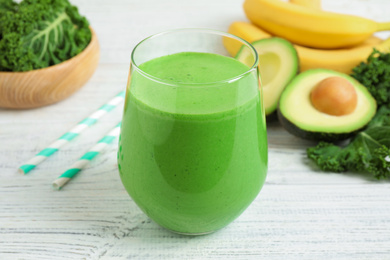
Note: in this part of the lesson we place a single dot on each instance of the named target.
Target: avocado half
(299, 117)
(278, 65)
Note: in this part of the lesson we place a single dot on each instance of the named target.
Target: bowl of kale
(47, 52)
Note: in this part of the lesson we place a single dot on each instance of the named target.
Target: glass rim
(210, 31)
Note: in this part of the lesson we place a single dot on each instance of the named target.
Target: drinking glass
(193, 145)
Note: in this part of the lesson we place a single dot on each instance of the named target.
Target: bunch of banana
(311, 27)
(342, 60)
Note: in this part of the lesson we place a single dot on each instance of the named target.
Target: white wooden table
(301, 213)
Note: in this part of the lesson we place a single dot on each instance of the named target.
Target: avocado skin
(272, 117)
(310, 135)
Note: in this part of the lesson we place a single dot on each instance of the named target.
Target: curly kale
(36, 34)
(7, 5)
(368, 151)
(374, 74)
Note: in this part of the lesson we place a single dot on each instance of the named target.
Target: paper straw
(86, 158)
(71, 134)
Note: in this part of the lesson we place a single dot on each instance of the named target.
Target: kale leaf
(368, 151)
(374, 74)
(6, 6)
(36, 34)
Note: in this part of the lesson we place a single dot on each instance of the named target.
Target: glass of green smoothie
(193, 146)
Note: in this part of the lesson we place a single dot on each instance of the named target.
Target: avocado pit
(334, 96)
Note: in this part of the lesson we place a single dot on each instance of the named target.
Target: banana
(246, 31)
(313, 4)
(342, 60)
(309, 27)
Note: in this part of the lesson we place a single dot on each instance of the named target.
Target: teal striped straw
(86, 158)
(71, 134)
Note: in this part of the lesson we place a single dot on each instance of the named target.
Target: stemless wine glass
(193, 146)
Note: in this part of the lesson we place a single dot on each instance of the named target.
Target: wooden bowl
(49, 85)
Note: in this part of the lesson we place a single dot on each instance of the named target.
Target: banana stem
(383, 26)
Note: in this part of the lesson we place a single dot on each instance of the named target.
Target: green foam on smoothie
(194, 83)
(194, 68)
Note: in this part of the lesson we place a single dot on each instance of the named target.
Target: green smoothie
(193, 148)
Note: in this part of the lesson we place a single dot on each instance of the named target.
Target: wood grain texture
(301, 213)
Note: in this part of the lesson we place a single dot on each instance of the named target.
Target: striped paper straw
(86, 158)
(75, 131)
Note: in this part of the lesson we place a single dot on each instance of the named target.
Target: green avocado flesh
(298, 116)
(278, 64)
